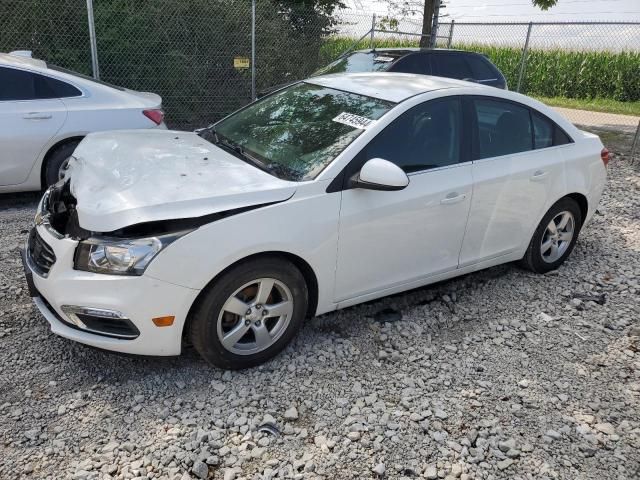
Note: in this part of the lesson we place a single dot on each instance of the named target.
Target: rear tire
(554, 238)
(249, 314)
(57, 162)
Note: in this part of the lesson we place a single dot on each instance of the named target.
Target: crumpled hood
(123, 178)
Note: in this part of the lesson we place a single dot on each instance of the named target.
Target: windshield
(295, 133)
(359, 62)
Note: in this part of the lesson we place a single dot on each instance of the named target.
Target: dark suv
(458, 64)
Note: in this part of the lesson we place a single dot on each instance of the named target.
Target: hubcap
(557, 237)
(255, 316)
(63, 168)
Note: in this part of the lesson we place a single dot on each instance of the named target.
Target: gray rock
(379, 469)
(291, 413)
(200, 469)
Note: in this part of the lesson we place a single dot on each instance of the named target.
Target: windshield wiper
(220, 139)
(209, 133)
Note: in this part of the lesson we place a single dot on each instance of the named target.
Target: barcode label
(353, 120)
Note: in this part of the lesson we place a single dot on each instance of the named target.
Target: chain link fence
(198, 54)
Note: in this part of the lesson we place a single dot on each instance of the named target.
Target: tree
(183, 50)
(427, 9)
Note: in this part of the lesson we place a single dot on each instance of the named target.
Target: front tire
(58, 162)
(250, 313)
(555, 237)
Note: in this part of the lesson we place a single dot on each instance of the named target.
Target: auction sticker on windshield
(354, 120)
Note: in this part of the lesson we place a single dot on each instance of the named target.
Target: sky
(583, 37)
(523, 11)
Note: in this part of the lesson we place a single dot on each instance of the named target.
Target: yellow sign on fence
(241, 62)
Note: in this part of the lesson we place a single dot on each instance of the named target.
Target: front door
(388, 239)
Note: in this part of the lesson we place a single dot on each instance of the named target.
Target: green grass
(595, 104)
(605, 80)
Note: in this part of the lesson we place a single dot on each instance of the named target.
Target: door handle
(452, 198)
(37, 116)
(539, 175)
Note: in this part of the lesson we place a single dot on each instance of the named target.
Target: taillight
(604, 155)
(155, 115)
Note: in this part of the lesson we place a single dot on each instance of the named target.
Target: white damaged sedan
(331, 192)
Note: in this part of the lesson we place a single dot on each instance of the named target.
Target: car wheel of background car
(250, 313)
(58, 162)
(555, 237)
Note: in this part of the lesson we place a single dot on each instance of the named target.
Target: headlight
(120, 256)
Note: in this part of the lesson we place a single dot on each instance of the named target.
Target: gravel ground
(499, 374)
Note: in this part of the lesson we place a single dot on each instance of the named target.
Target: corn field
(549, 73)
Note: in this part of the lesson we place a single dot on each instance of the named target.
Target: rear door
(29, 119)
(517, 168)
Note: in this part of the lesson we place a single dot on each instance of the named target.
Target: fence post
(523, 61)
(634, 145)
(92, 39)
(373, 31)
(434, 27)
(453, 23)
(253, 50)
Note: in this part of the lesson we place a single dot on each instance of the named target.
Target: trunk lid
(149, 99)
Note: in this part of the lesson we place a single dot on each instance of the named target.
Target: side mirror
(379, 174)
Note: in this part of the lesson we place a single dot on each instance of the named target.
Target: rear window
(480, 68)
(359, 62)
(85, 77)
(451, 66)
(414, 63)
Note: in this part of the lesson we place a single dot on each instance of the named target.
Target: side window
(480, 68)
(503, 128)
(53, 88)
(426, 136)
(560, 138)
(414, 63)
(542, 131)
(16, 84)
(547, 133)
(451, 66)
(22, 85)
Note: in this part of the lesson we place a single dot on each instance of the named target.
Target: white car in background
(328, 193)
(45, 111)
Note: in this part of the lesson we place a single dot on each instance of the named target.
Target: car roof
(400, 51)
(391, 86)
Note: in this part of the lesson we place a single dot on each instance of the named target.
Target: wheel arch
(301, 264)
(582, 202)
(53, 148)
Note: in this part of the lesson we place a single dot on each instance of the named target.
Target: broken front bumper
(131, 302)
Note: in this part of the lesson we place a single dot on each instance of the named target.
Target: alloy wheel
(255, 316)
(557, 236)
